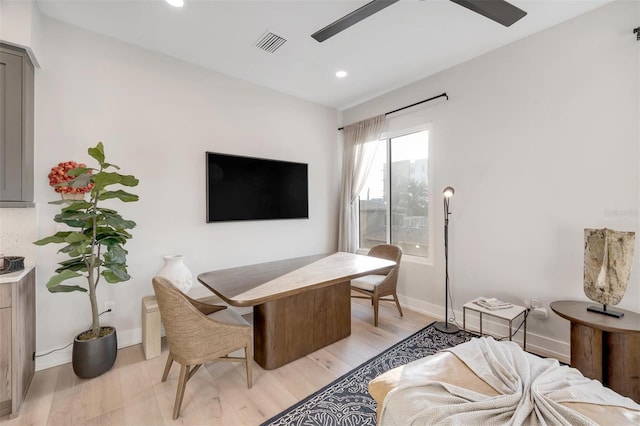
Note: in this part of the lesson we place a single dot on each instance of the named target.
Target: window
(394, 200)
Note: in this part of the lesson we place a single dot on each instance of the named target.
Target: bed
(484, 381)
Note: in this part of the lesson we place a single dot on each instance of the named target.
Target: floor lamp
(445, 327)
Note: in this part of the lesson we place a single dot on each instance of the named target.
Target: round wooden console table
(604, 348)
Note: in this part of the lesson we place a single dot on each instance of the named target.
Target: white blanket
(531, 389)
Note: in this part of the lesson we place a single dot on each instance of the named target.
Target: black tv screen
(246, 188)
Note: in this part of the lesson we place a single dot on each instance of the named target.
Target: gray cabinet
(16, 127)
(17, 338)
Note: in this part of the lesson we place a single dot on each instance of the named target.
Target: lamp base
(446, 327)
(603, 310)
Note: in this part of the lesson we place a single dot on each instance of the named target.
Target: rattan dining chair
(195, 338)
(375, 287)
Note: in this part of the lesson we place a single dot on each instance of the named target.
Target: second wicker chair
(375, 287)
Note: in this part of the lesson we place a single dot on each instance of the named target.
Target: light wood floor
(131, 393)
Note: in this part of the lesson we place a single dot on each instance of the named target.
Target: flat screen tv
(246, 188)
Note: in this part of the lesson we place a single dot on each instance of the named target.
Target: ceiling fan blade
(498, 10)
(351, 19)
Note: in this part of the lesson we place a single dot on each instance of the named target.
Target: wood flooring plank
(115, 417)
(137, 382)
(268, 394)
(68, 406)
(37, 405)
(143, 410)
(329, 362)
(100, 402)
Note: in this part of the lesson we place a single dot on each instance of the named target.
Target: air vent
(270, 42)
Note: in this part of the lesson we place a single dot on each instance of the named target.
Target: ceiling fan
(497, 10)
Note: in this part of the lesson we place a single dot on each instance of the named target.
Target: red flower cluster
(59, 175)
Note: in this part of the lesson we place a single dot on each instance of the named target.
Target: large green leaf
(104, 179)
(129, 180)
(116, 255)
(57, 238)
(75, 264)
(116, 221)
(112, 241)
(75, 267)
(97, 153)
(76, 249)
(77, 205)
(77, 237)
(104, 232)
(79, 171)
(67, 289)
(74, 223)
(107, 165)
(55, 280)
(72, 215)
(105, 210)
(71, 261)
(120, 194)
(116, 275)
(75, 219)
(80, 181)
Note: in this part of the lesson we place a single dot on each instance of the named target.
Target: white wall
(157, 117)
(540, 140)
(20, 26)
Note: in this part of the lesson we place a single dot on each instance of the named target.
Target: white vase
(177, 272)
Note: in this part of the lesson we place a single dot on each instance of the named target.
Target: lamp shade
(448, 192)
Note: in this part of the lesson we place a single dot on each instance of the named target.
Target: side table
(508, 314)
(604, 348)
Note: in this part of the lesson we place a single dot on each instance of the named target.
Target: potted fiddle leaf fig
(96, 253)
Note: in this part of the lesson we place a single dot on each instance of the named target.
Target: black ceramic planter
(92, 358)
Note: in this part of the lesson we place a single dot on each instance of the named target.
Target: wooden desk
(603, 347)
(299, 305)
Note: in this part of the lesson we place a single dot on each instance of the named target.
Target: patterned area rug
(346, 401)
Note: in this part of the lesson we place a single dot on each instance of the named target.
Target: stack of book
(492, 303)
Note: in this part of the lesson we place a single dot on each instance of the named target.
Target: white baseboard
(536, 343)
(125, 338)
(53, 359)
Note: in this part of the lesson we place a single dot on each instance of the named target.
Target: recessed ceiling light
(341, 74)
(176, 3)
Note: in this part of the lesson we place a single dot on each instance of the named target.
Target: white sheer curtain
(360, 144)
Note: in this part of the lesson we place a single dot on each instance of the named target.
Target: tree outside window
(394, 205)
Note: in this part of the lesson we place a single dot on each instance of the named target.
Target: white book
(492, 303)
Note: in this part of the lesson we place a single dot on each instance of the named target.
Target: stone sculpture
(608, 256)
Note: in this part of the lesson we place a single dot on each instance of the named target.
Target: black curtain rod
(443, 95)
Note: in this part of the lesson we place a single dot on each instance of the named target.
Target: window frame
(385, 140)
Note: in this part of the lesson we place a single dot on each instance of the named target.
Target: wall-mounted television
(247, 188)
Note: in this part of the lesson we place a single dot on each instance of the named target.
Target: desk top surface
(256, 284)
(576, 311)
